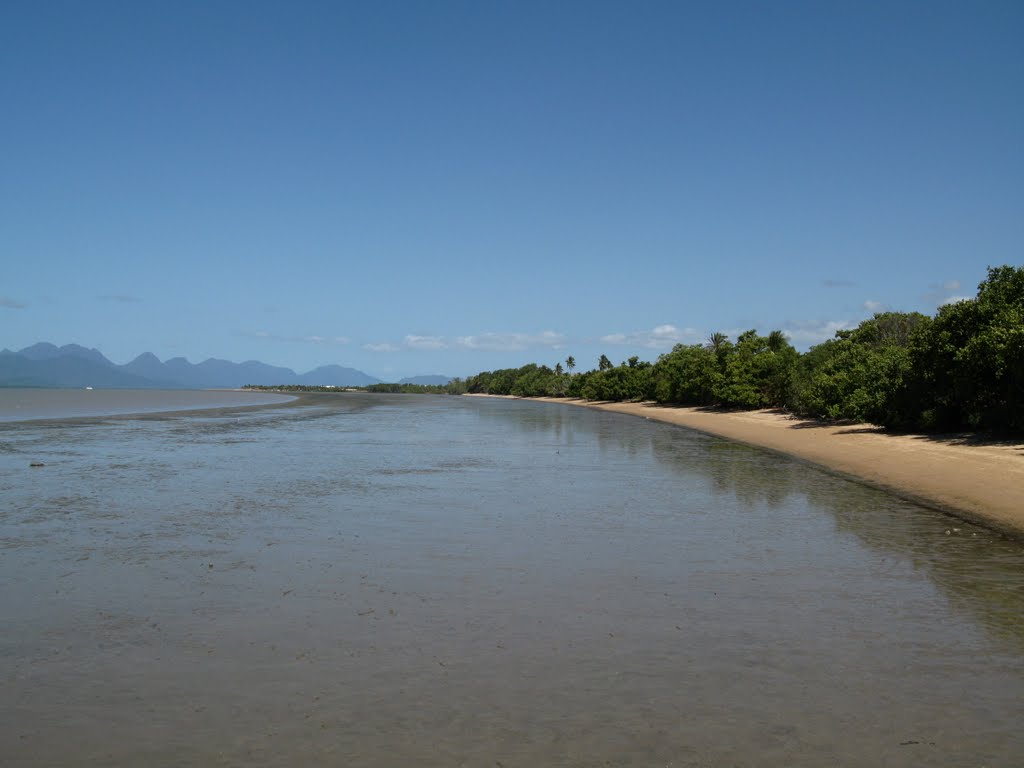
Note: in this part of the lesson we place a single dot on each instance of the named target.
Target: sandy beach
(977, 480)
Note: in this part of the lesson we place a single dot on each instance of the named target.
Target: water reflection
(979, 571)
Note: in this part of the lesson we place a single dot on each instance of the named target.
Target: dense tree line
(453, 387)
(298, 388)
(962, 369)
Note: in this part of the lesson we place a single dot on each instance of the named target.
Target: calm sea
(374, 580)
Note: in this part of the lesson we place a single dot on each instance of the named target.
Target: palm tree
(570, 363)
(777, 341)
(604, 363)
(716, 341)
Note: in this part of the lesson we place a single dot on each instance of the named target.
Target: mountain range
(47, 365)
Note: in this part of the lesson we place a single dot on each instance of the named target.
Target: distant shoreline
(967, 477)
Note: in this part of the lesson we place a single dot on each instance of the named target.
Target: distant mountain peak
(436, 380)
(41, 350)
(44, 350)
(46, 365)
(337, 376)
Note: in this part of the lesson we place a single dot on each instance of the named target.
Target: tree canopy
(962, 369)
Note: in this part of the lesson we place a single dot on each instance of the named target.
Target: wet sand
(971, 478)
(65, 405)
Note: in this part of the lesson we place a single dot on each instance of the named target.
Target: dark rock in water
(37, 464)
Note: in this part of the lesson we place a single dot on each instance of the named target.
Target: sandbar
(970, 477)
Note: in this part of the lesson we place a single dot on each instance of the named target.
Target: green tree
(758, 371)
(966, 368)
(777, 341)
(559, 382)
(861, 373)
(578, 383)
(456, 386)
(689, 375)
(716, 341)
(624, 382)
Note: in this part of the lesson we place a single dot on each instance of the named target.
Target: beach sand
(971, 478)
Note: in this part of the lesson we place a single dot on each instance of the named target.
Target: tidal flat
(374, 580)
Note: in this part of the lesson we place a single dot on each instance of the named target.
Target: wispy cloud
(815, 332)
(659, 337)
(312, 339)
(9, 303)
(492, 342)
(424, 342)
(838, 283)
(954, 300)
(503, 342)
(120, 298)
(943, 293)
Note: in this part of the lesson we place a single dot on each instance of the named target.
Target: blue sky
(448, 187)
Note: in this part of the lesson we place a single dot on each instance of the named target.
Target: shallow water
(30, 404)
(377, 580)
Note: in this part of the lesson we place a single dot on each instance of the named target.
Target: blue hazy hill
(47, 365)
(436, 380)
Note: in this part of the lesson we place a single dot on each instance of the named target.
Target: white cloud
(954, 300)
(493, 342)
(503, 342)
(945, 293)
(811, 333)
(660, 337)
(424, 342)
(874, 306)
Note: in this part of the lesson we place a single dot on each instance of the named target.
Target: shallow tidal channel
(375, 580)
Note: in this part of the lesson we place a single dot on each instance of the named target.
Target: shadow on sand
(847, 427)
